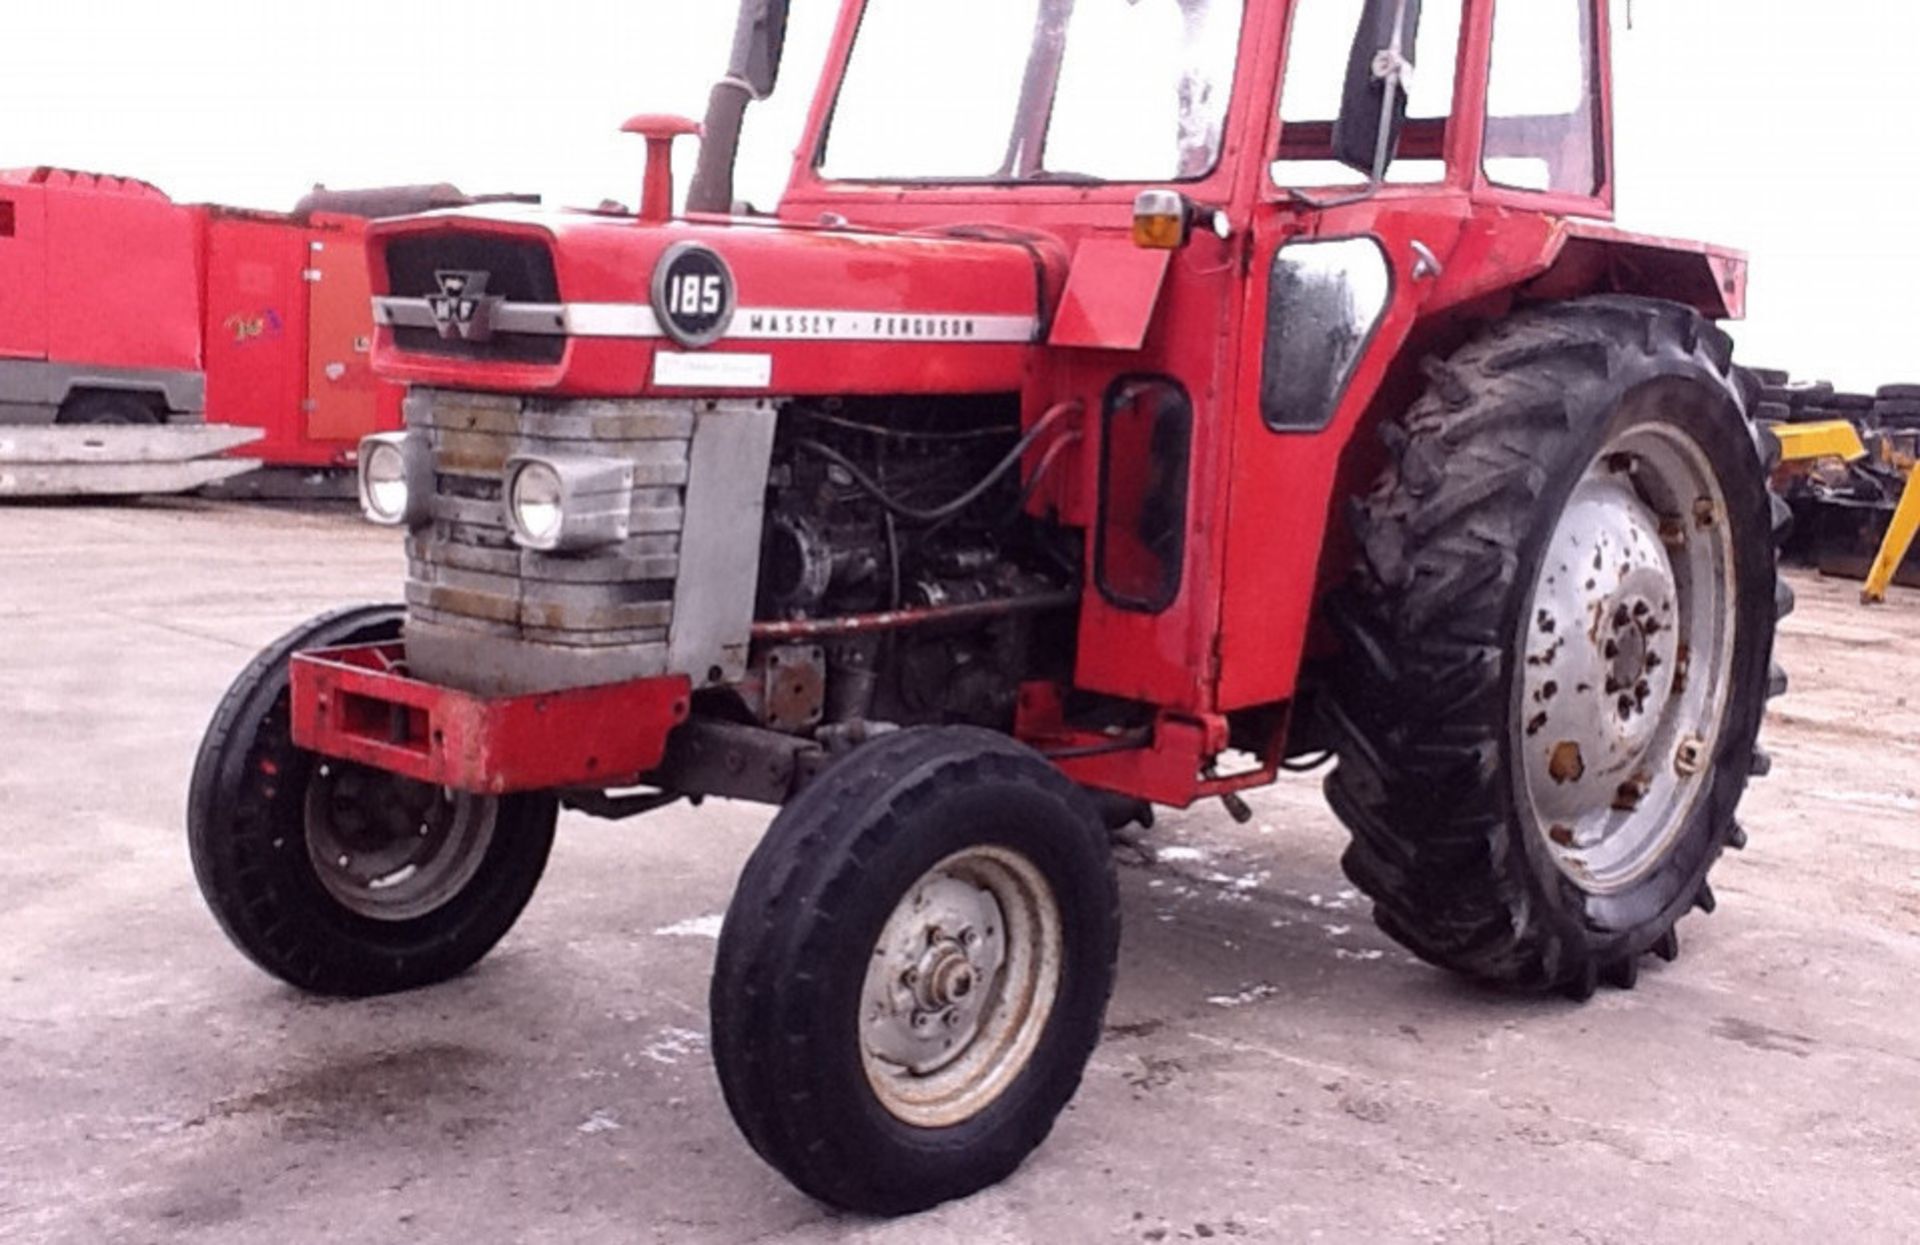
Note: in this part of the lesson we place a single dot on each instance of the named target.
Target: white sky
(1785, 128)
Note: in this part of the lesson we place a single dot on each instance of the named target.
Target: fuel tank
(581, 304)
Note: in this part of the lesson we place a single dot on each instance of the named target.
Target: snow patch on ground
(669, 1046)
(693, 927)
(1252, 994)
(1173, 855)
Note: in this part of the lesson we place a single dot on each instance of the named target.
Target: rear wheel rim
(959, 986)
(1628, 645)
(390, 849)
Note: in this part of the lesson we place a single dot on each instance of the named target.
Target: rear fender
(1503, 258)
(1593, 258)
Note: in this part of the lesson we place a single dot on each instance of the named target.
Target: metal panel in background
(23, 272)
(123, 276)
(345, 401)
(117, 461)
(256, 331)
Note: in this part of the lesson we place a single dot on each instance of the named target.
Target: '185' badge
(693, 294)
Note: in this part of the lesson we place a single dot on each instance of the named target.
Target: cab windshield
(1034, 90)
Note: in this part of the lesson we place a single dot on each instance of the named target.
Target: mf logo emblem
(463, 309)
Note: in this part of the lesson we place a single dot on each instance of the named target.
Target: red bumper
(357, 704)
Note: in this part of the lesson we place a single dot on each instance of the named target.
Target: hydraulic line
(916, 514)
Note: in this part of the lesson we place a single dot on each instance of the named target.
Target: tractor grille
(466, 579)
(521, 271)
(492, 618)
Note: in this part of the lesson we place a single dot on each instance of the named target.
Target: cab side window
(1320, 35)
(1543, 107)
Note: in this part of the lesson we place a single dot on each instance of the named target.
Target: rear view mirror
(1373, 104)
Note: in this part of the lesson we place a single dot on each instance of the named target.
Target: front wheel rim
(1629, 653)
(959, 986)
(391, 849)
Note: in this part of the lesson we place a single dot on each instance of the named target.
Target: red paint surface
(289, 333)
(1261, 544)
(603, 258)
(108, 273)
(256, 329)
(23, 273)
(656, 195)
(347, 401)
(356, 704)
(1110, 296)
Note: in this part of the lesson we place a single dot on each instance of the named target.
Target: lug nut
(1691, 757)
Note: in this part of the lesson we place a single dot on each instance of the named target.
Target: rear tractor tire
(1559, 645)
(915, 969)
(343, 880)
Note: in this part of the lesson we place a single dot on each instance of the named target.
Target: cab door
(1338, 275)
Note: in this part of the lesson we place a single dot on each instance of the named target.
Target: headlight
(566, 503)
(395, 472)
(535, 498)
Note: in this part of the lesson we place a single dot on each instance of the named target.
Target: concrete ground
(1275, 1069)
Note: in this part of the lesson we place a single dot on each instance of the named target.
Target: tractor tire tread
(783, 916)
(240, 846)
(1417, 714)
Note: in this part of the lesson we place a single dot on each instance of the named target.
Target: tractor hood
(587, 303)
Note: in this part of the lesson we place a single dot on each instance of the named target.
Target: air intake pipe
(758, 42)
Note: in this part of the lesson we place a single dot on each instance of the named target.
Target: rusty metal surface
(359, 704)
(901, 620)
(791, 686)
(493, 618)
(736, 762)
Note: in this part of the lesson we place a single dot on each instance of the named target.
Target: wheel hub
(944, 959)
(1626, 657)
(959, 986)
(391, 849)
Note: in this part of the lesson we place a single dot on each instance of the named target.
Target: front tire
(1559, 643)
(339, 879)
(915, 969)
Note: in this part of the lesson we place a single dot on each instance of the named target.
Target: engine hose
(915, 514)
(899, 434)
(1041, 471)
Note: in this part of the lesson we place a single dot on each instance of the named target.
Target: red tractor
(1107, 417)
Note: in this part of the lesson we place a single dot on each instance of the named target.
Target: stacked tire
(1785, 401)
(1897, 406)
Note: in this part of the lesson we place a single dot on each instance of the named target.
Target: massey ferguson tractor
(1127, 402)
